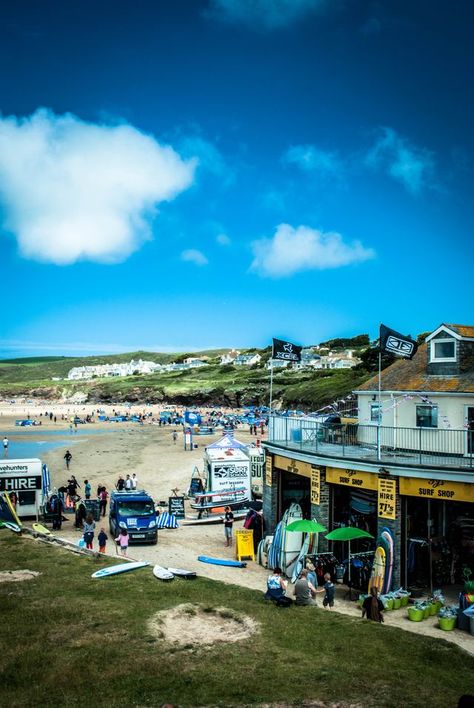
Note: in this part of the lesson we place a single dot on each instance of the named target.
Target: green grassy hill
(225, 385)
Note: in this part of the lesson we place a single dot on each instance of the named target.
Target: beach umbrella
(306, 526)
(347, 533)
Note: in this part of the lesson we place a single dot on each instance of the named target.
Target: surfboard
(182, 573)
(39, 528)
(222, 561)
(378, 570)
(387, 536)
(162, 573)
(10, 525)
(292, 541)
(298, 566)
(211, 519)
(121, 568)
(12, 510)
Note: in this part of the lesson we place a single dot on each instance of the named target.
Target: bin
(93, 507)
(415, 615)
(427, 612)
(434, 609)
(447, 623)
(397, 603)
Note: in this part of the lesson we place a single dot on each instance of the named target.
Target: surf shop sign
(351, 478)
(437, 489)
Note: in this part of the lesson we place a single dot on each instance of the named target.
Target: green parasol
(347, 533)
(306, 526)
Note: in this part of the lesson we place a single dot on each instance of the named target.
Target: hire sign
(19, 484)
(387, 498)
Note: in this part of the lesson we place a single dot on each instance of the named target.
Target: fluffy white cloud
(410, 165)
(72, 190)
(223, 240)
(193, 256)
(263, 14)
(293, 250)
(311, 159)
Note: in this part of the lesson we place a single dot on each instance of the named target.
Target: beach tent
(225, 443)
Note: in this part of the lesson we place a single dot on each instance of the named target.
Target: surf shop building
(406, 463)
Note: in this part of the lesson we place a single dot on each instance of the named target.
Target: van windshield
(135, 508)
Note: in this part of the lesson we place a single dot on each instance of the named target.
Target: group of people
(129, 484)
(89, 527)
(306, 589)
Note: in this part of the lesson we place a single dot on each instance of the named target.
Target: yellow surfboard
(12, 510)
(39, 528)
(378, 569)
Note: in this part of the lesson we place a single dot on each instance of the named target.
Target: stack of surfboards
(382, 570)
(170, 573)
(287, 545)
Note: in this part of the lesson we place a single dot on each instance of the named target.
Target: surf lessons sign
(230, 475)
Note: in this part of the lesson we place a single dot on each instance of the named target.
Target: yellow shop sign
(351, 478)
(268, 471)
(437, 489)
(294, 466)
(315, 485)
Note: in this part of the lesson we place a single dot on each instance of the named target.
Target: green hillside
(213, 384)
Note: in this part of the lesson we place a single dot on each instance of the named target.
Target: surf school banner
(315, 485)
(285, 351)
(387, 499)
(268, 471)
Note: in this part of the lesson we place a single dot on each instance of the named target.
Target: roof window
(443, 350)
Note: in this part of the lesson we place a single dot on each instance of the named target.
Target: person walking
(175, 437)
(5, 446)
(102, 539)
(228, 524)
(89, 528)
(123, 539)
(68, 458)
(103, 497)
(87, 489)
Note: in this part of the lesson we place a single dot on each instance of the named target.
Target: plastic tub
(434, 609)
(415, 615)
(427, 611)
(447, 623)
(388, 603)
(405, 600)
(397, 603)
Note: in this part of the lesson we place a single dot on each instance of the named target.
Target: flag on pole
(396, 343)
(285, 351)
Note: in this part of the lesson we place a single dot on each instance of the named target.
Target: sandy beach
(161, 466)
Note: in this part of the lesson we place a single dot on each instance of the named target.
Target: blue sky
(183, 175)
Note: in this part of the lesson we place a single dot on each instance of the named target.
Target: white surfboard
(181, 573)
(162, 573)
(121, 568)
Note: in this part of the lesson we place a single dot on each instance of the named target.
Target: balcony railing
(427, 447)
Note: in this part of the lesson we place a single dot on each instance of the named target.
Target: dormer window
(443, 350)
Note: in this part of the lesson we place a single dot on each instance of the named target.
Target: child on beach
(122, 540)
(102, 538)
(87, 488)
(89, 527)
(329, 591)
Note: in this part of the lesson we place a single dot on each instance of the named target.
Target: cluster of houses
(326, 359)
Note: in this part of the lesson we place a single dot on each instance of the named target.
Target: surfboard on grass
(11, 526)
(162, 573)
(222, 561)
(39, 528)
(182, 573)
(116, 569)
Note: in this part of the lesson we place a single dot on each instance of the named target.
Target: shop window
(443, 350)
(427, 416)
(375, 413)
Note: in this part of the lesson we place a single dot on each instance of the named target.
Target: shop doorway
(294, 488)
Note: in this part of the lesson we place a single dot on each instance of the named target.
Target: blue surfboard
(222, 561)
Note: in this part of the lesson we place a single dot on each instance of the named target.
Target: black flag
(285, 351)
(396, 343)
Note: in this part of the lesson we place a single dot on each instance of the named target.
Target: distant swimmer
(5, 446)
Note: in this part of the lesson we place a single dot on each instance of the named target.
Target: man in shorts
(228, 523)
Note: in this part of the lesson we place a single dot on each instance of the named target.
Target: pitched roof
(410, 375)
(463, 330)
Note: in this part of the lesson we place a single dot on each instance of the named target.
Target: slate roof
(410, 375)
(462, 330)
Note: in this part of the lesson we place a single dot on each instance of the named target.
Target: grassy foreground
(70, 640)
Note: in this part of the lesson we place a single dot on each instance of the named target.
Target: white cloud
(293, 250)
(410, 165)
(223, 240)
(193, 256)
(73, 190)
(263, 14)
(311, 159)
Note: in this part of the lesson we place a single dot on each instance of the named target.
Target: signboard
(387, 498)
(19, 483)
(176, 506)
(268, 471)
(293, 466)
(230, 475)
(351, 478)
(23, 467)
(315, 485)
(195, 486)
(437, 489)
(244, 544)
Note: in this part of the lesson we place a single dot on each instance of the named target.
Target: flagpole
(271, 386)
(379, 412)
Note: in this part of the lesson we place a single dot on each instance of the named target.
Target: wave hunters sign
(285, 351)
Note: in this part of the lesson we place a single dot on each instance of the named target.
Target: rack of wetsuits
(361, 569)
(323, 563)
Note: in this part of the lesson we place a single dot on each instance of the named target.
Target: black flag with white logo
(285, 351)
(396, 343)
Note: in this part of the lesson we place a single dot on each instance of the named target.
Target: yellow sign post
(244, 544)
(315, 485)
(268, 471)
(387, 498)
